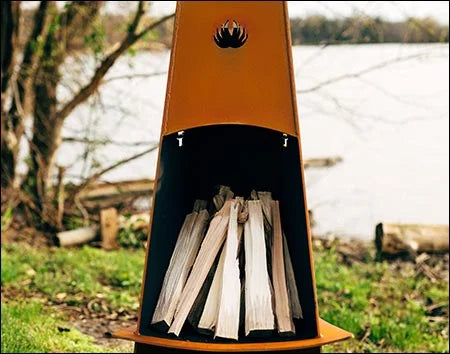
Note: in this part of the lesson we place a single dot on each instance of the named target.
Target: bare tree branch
(109, 61)
(69, 139)
(10, 27)
(134, 76)
(30, 60)
(362, 72)
(417, 23)
(98, 174)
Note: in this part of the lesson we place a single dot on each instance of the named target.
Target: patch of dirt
(101, 329)
(13, 294)
(92, 317)
(96, 319)
(349, 251)
(16, 233)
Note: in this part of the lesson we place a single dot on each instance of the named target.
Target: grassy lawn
(28, 328)
(385, 308)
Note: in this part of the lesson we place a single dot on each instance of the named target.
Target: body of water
(383, 108)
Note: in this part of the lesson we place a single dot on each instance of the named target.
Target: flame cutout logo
(230, 35)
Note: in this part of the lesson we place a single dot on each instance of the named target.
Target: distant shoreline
(310, 30)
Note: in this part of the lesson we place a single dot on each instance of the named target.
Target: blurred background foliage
(314, 29)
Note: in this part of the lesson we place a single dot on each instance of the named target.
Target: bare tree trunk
(43, 75)
(47, 124)
(46, 131)
(21, 90)
(9, 36)
(48, 121)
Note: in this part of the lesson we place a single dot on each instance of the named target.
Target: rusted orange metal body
(329, 334)
(234, 99)
(250, 85)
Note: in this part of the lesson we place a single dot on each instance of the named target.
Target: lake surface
(385, 112)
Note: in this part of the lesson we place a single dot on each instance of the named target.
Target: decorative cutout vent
(230, 35)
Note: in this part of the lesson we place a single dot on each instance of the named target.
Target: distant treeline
(308, 30)
(363, 29)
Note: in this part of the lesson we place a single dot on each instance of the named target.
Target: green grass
(384, 308)
(78, 273)
(386, 305)
(28, 328)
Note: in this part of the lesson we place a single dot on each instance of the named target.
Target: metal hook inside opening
(285, 140)
(180, 138)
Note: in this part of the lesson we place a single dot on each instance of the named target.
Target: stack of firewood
(231, 273)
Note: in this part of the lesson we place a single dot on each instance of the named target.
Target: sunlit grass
(28, 328)
(79, 273)
(385, 308)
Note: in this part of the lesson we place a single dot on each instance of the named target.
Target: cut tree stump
(283, 314)
(394, 239)
(259, 318)
(109, 228)
(211, 245)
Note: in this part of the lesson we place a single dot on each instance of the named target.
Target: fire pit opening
(244, 158)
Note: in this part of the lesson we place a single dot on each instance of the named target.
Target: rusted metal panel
(329, 334)
(250, 85)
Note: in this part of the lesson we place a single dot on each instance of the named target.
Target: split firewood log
(294, 299)
(227, 324)
(283, 313)
(259, 318)
(209, 317)
(211, 245)
(199, 303)
(186, 248)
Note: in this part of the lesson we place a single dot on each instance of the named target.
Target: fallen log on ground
(105, 190)
(105, 195)
(322, 162)
(77, 237)
(394, 239)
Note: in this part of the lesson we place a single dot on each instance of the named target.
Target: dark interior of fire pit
(244, 158)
